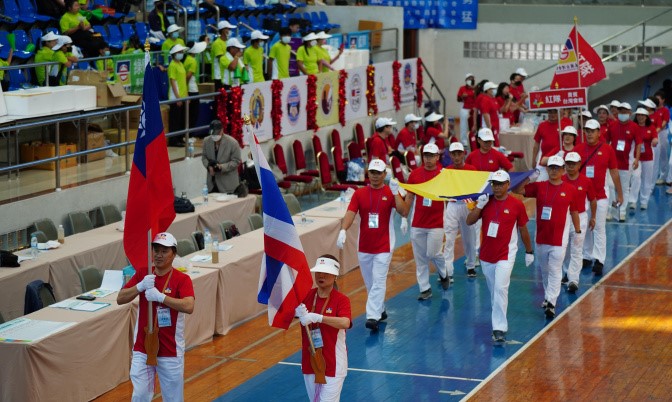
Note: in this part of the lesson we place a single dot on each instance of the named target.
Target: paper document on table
(112, 280)
(89, 306)
(201, 258)
(24, 330)
(100, 292)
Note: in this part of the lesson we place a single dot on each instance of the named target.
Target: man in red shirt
(556, 200)
(326, 313)
(584, 191)
(455, 217)
(546, 139)
(406, 139)
(375, 205)
(172, 294)
(427, 224)
(503, 216)
(624, 138)
(486, 158)
(489, 109)
(598, 158)
(467, 96)
(379, 147)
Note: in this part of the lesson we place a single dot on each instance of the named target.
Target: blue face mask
(175, 35)
(623, 117)
(107, 53)
(179, 56)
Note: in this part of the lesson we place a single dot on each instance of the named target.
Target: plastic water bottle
(207, 239)
(205, 194)
(61, 234)
(215, 251)
(190, 148)
(33, 247)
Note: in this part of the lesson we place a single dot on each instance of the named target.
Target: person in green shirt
(106, 64)
(5, 63)
(173, 38)
(253, 56)
(78, 28)
(231, 65)
(218, 49)
(132, 45)
(63, 54)
(279, 55)
(177, 88)
(325, 60)
(307, 55)
(191, 63)
(46, 54)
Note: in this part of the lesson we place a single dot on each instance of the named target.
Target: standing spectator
(221, 157)
(217, 50)
(647, 131)
(486, 158)
(43, 55)
(253, 56)
(624, 136)
(489, 110)
(158, 22)
(375, 205)
(467, 96)
(279, 55)
(325, 60)
(518, 92)
(598, 158)
(406, 138)
(307, 55)
(500, 245)
(427, 225)
(172, 295)
(191, 67)
(173, 38)
(231, 66)
(177, 89)
(379, 145)
(505, 101)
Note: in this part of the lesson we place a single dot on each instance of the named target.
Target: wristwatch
(579, 232)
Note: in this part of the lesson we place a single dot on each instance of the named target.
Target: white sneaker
(643, 207)
(669, 191)
(660, 181)
(632, 205)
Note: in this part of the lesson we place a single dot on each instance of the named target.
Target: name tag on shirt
(590, 172)
(373, 221)
(620, 145)
(546, 213)
(426, 202)
(316, 334)
(493, 227)
(163, 317)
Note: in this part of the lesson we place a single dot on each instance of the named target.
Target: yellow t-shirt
(3, 63)
(191, 66)
(69, 21)
(104, 65)
(43, 55)
(280, 53)
(217, 49)
(309, 58)
(170, 42)
(323, 55)
(177, 72)
(254, 58)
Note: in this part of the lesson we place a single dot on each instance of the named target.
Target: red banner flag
(586, 62)
(150, 202)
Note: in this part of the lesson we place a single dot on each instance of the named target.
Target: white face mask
(313, 42)
(623, 117)
(179, 56)
(470, 83)
(107, 53)
(175, 35)
(416, 126)
(285, 39)
(216, 137)
(262, 43)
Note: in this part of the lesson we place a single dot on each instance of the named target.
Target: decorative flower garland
(342, 96)
(370, 89)
(276, 108)
(418, 84)
(236, 101)
(396, 87)
(221, 108)
(311, 104)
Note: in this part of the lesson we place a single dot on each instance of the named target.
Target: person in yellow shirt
(46, 54)
(307, 55)
(325, 60)
(231, 65)
(78, 28)
(63, 54)
(5, 63)
(177, 88)
(172, 40)
(191, 64)
(279, 55)
(218, 49)
(105, 63)
(132, 45)
(253, 56)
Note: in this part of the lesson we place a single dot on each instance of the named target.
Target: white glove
(529, 259)
(341, 239)
(300, 310)
(152, 294)
(482, 201)
(310, 318)
(402, 192)
(146, 283)
(404, 226)
(534, 176)
(394, 186)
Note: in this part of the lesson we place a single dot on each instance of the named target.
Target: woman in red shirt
(649, 135)
(467, 96)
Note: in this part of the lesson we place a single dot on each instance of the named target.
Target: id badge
(620, 145)
(546, 213)
(590, 172)
(493, 227)
(373, 221)
(316, 334)
(426, 202)
(642, 148)
(163, 316)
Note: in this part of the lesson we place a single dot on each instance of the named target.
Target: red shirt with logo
(596, 167)
(622, 137)
(467, 96)
(584, 190)
(427, 214)
(491, 161)
(434, 132)
(378, 147)
(647, 134)
(559, 199)
(548, 136)
(406, 138)
(490, 107)
(662, 115)
(171, 338)
(509, 214)
(365, 201)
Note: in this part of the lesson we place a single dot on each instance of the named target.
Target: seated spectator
(78, 28)
(158, 22)
(132, 45)
(64, 56)
(106, 64)
(46, 54)
(5, 63)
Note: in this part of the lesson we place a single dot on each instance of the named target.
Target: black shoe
(549, 311)
(471, 273)
(572, 287)
(383, 316)
(587, 263)
(498, 336)
(445, 282)
(544, 304)
(372, 324)
(427, 294)
(564, 279)
(598, 267)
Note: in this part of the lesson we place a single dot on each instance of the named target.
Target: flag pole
(578, 69)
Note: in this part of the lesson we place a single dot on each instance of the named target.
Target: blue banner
(358, 40)
(442, 14)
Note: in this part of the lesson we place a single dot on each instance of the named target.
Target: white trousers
(595, 241)
(576, 253)
(454, 218)
(549, 258)
(624, 176)
(648, 181)
(329, 392)
(171, 378)
(660, 156)
(374, 269)
(464, 126)
(427, 245)
(635, 184)
(498, 278)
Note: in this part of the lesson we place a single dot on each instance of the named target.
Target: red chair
(341, 168)
(279, 156)
(359, 134)
(410, 160)
(317, 145)
(325, 175)
(336, 140)
(300, 160)
(354, 150)
(396, 169)
(367, 146)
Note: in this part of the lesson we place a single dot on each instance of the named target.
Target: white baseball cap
(489, 85)
(641, 110)
(592, 124)
(569, 130)
(384, 121)
(165, 239)
(456, 146)
(197, 48)
(499, 176)
(310, 36)
(49, 37)
(430, 149)
(326, 265)
(377, 165)
(323, 35)
(61, 42)
(648, 103)
(573, 157)
(625, 105)
(521, 71)
(434, 117)
(486, 134)
(597, 109)
(257, 35)
(224, 24)
(234, 42)
(615, 103)
(586, 113)
(555, 160)
(468, 75)
(177, 48)
(174, 28)
(411, 117)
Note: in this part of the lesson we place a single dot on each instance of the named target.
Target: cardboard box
(206, 88)
(44, 151)
(95, 139)
(376, 37)
(107, 93)
(133, 115)
(114, 137)
(27, 152)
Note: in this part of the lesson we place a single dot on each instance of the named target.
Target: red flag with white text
(585, 62)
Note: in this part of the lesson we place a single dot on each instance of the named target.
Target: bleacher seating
(21, 42)
(27, 8)
(126, 31)
(12, 11)
(115, 39)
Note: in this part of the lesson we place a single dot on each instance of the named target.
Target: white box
(85, 97)
(29, 102)
(63, 99)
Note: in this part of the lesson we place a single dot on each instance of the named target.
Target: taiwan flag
(585, 62)
(149, 205)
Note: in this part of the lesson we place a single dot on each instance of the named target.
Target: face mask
(285, 39)
(470, 83)
(107, 53)
(179, 56)
(175, 35)
(517, 83)
(313, 42)
(216, 137)
(623, 117)
(262, 43)
(416, 126)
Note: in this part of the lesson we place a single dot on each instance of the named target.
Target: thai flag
(284, 280)
(150, 202)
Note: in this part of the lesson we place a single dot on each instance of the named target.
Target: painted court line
(564, 312)
(441, 377)
(643, 288)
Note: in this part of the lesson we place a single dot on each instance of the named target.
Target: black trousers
(176, 122)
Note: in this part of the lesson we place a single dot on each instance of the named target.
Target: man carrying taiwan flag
(579, 64)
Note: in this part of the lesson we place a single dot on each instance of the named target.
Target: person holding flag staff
(326, 316)
(375, 205)
(502, 217)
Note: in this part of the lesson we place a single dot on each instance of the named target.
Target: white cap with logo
(384, 121)
(411, 117)
(378, 165)
(499, 176)
(430, 149)
(592, 124)
(165, 239)
(555, 160)
(485, 134)
(456, 146)
(573, 157)
(521, 71)
(326, 265)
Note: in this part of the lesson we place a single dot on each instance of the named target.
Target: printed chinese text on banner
(586, 62)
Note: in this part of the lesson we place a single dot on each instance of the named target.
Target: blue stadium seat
(4, 50)
(26, 7)
(142, 31)
(54, 30)
(21, 41)
(102, 31)
(126, 31)
(19, 79)
(325, 20)
(12, 11)
(116, 41)
(35, 35)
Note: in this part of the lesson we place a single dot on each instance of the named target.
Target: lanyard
(371, 201)
(324, 306)
(498, 206)
(548, 187)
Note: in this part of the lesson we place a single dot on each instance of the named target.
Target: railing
(395, 47)
(438, 90)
